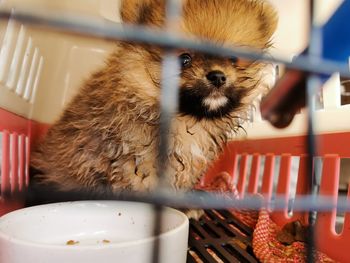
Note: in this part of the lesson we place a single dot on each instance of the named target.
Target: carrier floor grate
(219, 237)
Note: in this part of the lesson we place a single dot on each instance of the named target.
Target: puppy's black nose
(217, 78)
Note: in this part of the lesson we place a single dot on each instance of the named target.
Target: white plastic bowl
(107, 231)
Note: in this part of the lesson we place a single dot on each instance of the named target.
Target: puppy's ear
(269, 19)
(143, 12)
(129, 10)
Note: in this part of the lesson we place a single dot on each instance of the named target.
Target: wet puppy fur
(106, 139)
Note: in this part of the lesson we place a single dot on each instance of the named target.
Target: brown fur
(107, 136)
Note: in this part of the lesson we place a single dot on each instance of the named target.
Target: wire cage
(254, 163)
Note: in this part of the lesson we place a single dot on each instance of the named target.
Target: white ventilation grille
(20, 62)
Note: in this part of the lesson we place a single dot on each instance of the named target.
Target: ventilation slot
(344, 179)
(345, 92)
(261, 172)
(36, 80)
(22, 162)
(210, 231)
(15, 64)
(25, 68)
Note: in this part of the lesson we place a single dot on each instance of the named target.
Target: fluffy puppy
(107, 137)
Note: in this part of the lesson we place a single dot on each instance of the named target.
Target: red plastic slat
(242, 174)
(22, 163)
(27, 159)
(5, 167)
(14, 162)
(254, 175)
(267, 184)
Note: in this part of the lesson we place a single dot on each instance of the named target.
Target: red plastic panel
(16, 133)
(328, 147)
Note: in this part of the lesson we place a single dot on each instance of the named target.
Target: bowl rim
(15, 240)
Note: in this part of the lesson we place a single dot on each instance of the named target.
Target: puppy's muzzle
(217, 78)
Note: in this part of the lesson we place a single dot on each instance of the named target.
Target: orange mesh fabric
(267, 248)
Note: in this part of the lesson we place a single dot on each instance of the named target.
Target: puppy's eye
(234, 60)
(185, 60)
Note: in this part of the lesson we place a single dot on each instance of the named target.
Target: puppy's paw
(195, 214)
